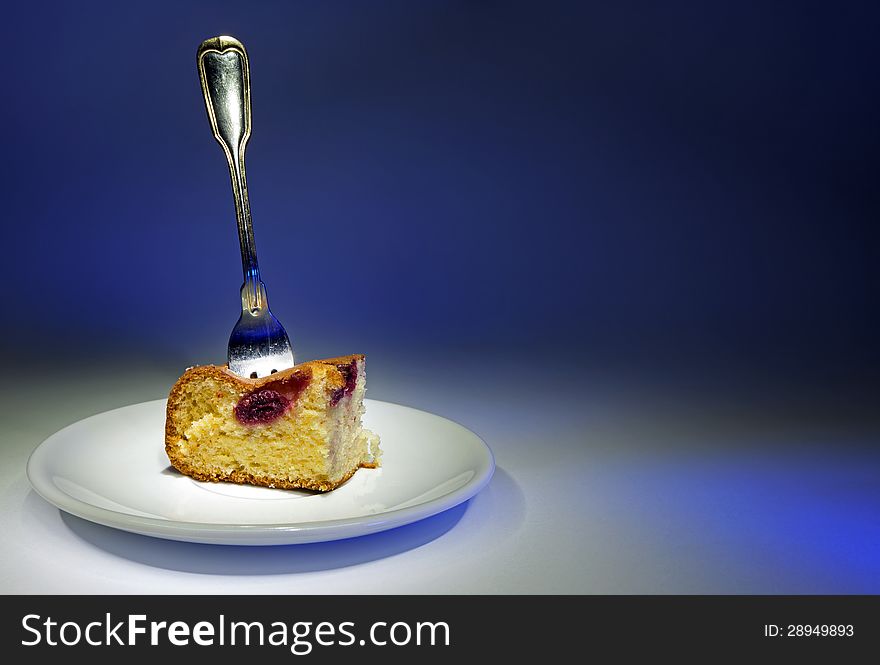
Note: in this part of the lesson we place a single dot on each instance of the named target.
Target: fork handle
(224, 74)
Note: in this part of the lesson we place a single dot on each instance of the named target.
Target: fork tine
(258, 345)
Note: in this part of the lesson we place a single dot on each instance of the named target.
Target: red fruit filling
(349, 373)
(261, 407)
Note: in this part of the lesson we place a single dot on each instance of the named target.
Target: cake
(298, 428)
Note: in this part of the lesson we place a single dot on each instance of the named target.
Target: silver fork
(259, 345)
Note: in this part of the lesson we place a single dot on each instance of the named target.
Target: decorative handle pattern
(224, 74)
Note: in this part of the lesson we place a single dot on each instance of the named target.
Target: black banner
(437, 628)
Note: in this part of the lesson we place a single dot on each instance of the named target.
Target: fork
(258, 345)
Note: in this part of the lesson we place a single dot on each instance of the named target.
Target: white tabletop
(606, 483)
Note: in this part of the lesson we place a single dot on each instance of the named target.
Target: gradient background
(633, 247)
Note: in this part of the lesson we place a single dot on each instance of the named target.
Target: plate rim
(238, 533)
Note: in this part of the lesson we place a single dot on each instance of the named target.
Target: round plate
(111, 469)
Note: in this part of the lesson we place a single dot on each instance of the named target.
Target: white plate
(112, 469)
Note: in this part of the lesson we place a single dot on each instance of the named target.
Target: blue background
(655, 211)
(660, 181)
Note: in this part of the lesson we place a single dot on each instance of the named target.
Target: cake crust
(328, 370)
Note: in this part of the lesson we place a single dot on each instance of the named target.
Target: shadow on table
(502, 495)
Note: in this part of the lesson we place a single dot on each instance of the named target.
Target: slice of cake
(300, 428)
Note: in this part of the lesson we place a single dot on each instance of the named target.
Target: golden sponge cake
(299, 428)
